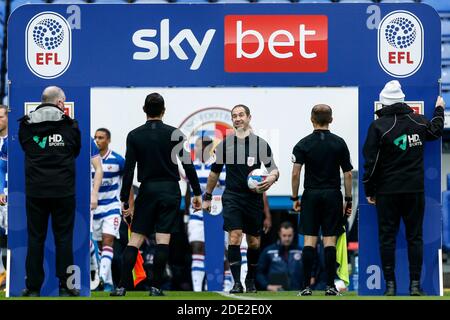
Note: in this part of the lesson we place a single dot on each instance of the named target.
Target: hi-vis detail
(48, 45)
(400, 44)
(166, 43)
(412, 139)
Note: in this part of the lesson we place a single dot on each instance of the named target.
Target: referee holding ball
(243, 212)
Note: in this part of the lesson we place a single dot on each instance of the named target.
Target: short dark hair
(286, 225)
(154, 105)
(322, 114)
(2, 106)
(247, 110)
(108, 133)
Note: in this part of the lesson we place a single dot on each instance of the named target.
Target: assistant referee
(243, 209)
(155, 148)
(323, 154)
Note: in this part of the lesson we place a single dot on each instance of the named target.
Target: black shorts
(321, 209)
(243, 211)
(156, 208)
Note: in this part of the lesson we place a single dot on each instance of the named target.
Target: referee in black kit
(155, 147)
(323, 154)
(243, 209)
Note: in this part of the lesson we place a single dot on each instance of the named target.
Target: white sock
(227, 280)
(2, 267)
(105, 264)
(198, 271)
(244, 266)
(94, 262)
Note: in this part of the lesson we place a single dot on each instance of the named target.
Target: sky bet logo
(167, 44)
(276, 43)
(254, 43)
(48, 45)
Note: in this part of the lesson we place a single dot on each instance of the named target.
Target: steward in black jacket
(51, 142)
(394, 146)
(394, 178)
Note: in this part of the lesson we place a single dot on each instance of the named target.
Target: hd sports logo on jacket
(48, 45)
(54, 140)
(411, 140)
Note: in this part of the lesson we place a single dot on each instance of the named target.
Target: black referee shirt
(155, 147)
(241, 157)
(322, 153)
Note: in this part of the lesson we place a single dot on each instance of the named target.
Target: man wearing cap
(394, 178)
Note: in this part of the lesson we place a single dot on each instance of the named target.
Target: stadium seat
(17, 3)
(68, 1)
(110, 1)
(445, 28)
(439, 5)
(274, 1)
(355, 1)
(445, 76)
(191, 1)
(150, 1)
(316, 1)
(445, 48)
(398, 1)
(232, 1)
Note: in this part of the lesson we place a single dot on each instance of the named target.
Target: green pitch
(286, 295)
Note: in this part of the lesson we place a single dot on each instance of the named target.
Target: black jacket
(155, 147)
(394, 147)
(51, 142)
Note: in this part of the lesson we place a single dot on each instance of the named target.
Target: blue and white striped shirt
(4, 165)
(109, 193)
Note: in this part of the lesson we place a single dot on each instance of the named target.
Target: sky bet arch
(199, 45)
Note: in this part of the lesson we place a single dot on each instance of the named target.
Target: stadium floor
(286, 295)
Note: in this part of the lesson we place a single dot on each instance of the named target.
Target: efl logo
(48, 45)
(400, 44)
(276, 43)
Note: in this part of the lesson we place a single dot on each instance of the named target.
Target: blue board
(200, 45)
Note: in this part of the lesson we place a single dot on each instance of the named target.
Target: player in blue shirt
(107, 215)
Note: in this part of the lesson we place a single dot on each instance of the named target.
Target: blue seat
(110, 1)
(191, 1)
(150, 1)
(445, 77)
(397, 1)
(315, 1)
(17, 3)
(355, 1)
(232, 1)
(445, 28)
(445, 50)
(446, 96)
(439, 5)
(68, 1)
(274, 1)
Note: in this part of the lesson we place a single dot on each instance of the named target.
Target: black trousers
(62, 211)
(410, 208)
